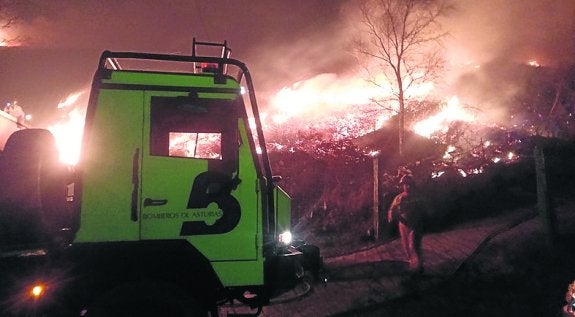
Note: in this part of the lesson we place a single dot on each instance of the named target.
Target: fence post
(376, 198)
(544, 207)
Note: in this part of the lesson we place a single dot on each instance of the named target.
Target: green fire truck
(172, 210)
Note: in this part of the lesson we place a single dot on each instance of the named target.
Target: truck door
(192, 186)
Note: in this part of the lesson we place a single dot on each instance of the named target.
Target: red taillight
(209, 67)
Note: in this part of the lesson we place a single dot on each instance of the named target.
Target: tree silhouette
(545, 107)
(402, 37)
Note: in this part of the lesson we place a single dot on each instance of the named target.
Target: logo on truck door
(211, 191)
(199, 131)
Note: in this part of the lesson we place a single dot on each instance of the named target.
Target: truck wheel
(33, 181)
(146, 299)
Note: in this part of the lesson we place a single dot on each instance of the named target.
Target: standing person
(406, 208)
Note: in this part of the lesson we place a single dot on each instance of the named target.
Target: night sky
(281, 41)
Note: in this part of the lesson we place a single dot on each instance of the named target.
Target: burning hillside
(322, 113)
(327, 109)
(322, 150)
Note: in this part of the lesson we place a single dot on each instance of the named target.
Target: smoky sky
(491, 42)
(281, 41)
(478, 29)
(169, 26)
(542, 30)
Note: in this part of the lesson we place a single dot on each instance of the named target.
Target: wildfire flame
(8, 39)
(68, 131)
(324, 92)
(440, 122)
(328, 93)
(70, 100)
(308, 103)
(304, 101)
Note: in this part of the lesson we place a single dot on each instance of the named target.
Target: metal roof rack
(109, 60)
(225, 53)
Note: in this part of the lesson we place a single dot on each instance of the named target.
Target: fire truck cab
(172, 209)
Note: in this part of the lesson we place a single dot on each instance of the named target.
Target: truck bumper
(286, 269)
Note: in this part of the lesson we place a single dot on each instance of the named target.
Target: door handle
(154, 202)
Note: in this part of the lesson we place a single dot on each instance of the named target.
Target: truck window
(196, 145)
(196, 128)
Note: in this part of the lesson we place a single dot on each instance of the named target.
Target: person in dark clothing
(407, 210)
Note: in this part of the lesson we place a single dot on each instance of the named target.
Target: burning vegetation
(324, 135)
(468, 163)
(474, 138)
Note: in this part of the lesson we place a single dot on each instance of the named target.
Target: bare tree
(402, 37)
(546, 104)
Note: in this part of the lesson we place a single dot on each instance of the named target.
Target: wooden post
(375, 198)
(544, 207)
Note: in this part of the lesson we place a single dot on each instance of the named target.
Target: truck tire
(146, 299)
(33, 184)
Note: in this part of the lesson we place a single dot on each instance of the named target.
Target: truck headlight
(285, 237)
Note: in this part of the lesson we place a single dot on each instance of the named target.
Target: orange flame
(440, 122)
(68, 132)
(327, 93)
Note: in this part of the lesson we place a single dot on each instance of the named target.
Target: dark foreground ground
(502, 265)
(517, 273)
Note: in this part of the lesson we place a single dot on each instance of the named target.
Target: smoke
(289, 42)
(311, 53)
(487, 46)
(282, 42)
(491, 41)
(515, 30)
(480, 30)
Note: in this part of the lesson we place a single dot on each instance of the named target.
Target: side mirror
(276, 179)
